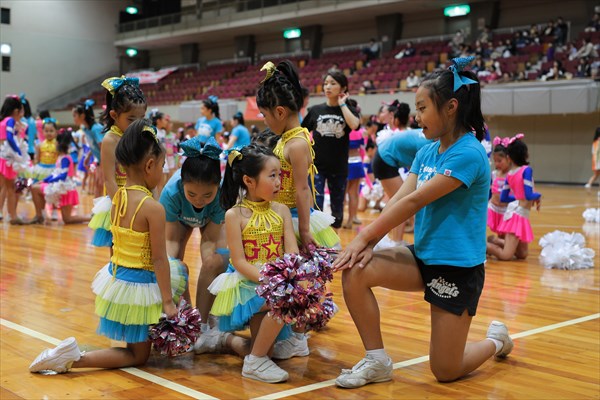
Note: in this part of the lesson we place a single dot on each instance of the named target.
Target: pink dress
(516, 218)
(11, 163)
(60, 189)
(496, 213)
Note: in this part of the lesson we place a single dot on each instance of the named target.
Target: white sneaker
(587, 186)
(263, 369)
(368, 370)
(58, 359)
(54, 214)
(497, 330)
(291, 347)
(211, 341)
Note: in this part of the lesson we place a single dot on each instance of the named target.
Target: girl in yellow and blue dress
(46, 153)
(258, 231)
(125, 103)
(138, 283)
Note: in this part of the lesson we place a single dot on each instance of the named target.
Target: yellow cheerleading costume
(100, 221)
(320, 223)
(262, 238)
(128, 298)
(48, 157)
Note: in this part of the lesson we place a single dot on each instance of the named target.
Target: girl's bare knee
(445, 374)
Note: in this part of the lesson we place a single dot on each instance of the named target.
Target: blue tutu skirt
(237, 302)
(129, 301)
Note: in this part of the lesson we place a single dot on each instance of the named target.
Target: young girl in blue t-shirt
(447, 191)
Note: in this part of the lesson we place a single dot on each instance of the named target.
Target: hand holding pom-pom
(176, 336)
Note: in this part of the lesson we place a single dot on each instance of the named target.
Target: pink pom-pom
(177, 336)
(294, 287)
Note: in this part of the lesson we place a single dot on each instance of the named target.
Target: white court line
(176, 387)
(418, 360)
(566, 206)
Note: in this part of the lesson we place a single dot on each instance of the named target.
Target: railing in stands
(285, 55)
(238, 60)
(339, 49)
(426, 39)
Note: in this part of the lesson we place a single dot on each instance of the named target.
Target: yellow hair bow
(270, 68)
(152, 130)
(112, 84)
(233, 155)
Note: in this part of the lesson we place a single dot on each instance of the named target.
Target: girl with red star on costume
(258, 231)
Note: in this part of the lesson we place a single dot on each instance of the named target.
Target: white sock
(497, 343)
(379, 355)
(204, 327)
(252, 357)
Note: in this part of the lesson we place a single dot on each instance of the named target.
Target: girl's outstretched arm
(359, 251)
(155, 214)
(299, 156)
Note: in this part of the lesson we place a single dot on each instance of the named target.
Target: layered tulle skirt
(236, 302)
(320, 228)
(11, 163)
(100, 222)
(61, 194)
(516, 221)
(129, 301)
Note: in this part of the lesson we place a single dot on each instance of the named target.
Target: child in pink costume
(515, 224)
(496, 208)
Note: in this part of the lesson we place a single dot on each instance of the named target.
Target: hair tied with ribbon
(458, 65)
(500, 141)
(194, 148)
(518, 136)
(234, 155)
(22, 98)
(270, 68)
(89, 103)
(152, 130)
(113, 84)
(213, 99)
(49, 121)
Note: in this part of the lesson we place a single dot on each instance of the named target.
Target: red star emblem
(272, 247)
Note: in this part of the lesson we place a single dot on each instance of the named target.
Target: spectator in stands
(209, 125)
(549, 29)
(561, 31)
(519, 40)
(335, 67)
(371, 51)
(587, 50)
(240, 136)
(556, 72)
(412, 80)
(407, 52)
(584, 69)
(457, 40)
(534, 34)
(479, 65)
(509, 49)
(481, 50)
(550, 52)
(498, 50)
(486, 35)
(368, 86)
(331, 123)
(570, 50)
(594, 24)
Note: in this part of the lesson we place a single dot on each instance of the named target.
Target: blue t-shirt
(451, 230)
(208, 128)
(31, 134)
(400, 149)
(178, 208)
(94, 137)
(242, 134)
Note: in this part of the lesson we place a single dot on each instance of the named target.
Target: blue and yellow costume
(262, 238)
(48, 158)
(320, 223)
(128, 298)
(100, 222)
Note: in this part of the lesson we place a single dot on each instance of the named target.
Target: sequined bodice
(48, 152)
(262, 237)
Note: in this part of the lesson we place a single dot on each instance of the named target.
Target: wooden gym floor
(553, 316)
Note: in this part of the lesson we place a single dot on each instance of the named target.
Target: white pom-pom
(563, 250)
(592, 215)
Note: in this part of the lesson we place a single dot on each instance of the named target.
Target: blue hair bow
(213, 98)
(50, 121)
(88, 103)
(459, 64)
(112, 84)
(22, 98)
(193, 148)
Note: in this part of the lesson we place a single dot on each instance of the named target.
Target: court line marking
(566, 206)
(418, 360)
(176, 387)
